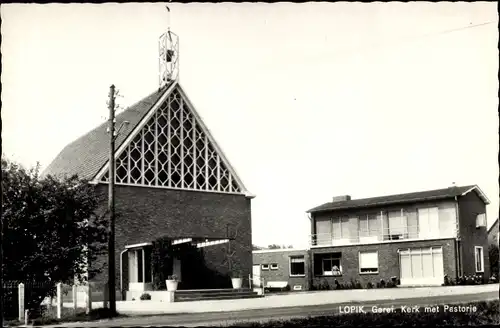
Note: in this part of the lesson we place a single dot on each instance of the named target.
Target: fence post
(75, 296)
(26, 317)
(89, 298)
(106, 296)
(21, 301)
(59, 300)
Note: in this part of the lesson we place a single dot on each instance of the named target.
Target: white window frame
(303, 260)
(481, 220)
(337, 223)
(274, 266)
(403, 222)
(432, 233)
(359, 262)
(365, 222)
(323, 266)
(264, 267)
(482, 259)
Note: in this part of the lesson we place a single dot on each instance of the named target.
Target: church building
(172, 180)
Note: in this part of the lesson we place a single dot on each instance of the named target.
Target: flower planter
(237, 282)
(171, 285)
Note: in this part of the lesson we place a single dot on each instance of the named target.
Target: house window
(428, 222)
(397, 226)
(368, 262)
(323, 232)
(481, 220)
(265, 266)
(478, 250)
(274, 266)
(297, 266)
(340, 230)
(447, 221)
(331, 266)
(369, 228)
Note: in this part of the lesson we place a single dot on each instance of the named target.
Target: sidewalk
(296, 299)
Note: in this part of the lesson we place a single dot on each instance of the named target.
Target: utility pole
(1, 265)
(111, 204)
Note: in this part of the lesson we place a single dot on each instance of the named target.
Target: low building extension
(281, 269)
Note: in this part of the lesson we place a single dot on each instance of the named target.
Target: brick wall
(388, 260)
(469, 206)
(282, 258)
(145, 214)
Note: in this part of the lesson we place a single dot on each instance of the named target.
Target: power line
(344, 52)
(454, 30)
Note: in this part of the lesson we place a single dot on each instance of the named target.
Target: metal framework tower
(168, 51)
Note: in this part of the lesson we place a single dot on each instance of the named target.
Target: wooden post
(106, 296)
(111, 204)
(26, 317)
(20, 289)
(59, 300)
(75, 296)
(89, 298)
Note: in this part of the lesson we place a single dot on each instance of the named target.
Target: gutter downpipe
(310, 253)
(458, 252)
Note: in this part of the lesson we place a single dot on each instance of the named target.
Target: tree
(50, 229)
(276, 246)
(256, 248)
(493, 257)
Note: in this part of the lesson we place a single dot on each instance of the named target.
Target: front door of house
(256, 281)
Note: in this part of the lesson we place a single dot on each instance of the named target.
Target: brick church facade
(172, 180)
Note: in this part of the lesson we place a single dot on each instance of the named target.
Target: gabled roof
(88, 154)
(495, 224)
(414, 197)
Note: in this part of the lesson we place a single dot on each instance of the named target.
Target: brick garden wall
(145, 214)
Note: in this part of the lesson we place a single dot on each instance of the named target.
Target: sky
(308, 101)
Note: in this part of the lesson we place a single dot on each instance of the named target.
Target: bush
(369, 285)
(324, 285)
(493, 279)
(467, 280)
(145, 297)
(493, 259)
(68, 315)
(470, 280)
(390, 284)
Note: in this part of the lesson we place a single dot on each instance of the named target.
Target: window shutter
(368, 260)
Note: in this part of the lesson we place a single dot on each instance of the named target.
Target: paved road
(262, 315)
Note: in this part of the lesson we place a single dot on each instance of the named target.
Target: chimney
(343, 198)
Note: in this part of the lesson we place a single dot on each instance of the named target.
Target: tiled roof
(493, 226)
(396, 199)
(88, 154)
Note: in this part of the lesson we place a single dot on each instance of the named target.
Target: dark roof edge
(162, 92)
(347, 207)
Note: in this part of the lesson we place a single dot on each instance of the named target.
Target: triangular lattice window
(172, 151)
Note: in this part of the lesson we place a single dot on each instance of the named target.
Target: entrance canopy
(199, 242)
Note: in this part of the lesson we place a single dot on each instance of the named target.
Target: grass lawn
(486, 313)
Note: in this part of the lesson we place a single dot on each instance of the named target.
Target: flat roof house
(416, 237)
(284, 269)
